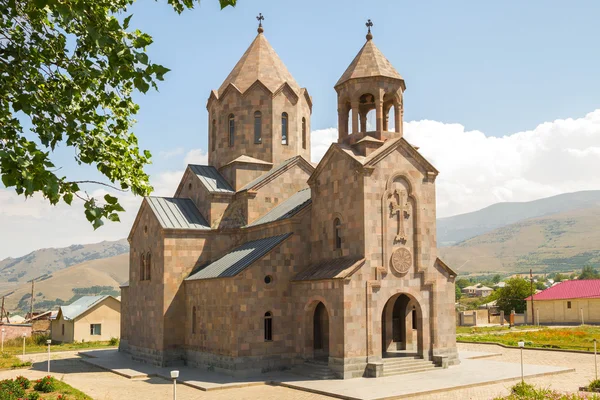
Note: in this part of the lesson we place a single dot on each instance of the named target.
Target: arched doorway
(402, 327)
(321, 333)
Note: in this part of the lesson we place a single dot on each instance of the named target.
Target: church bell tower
(369, 84)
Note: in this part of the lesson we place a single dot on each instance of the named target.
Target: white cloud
(478, 170)
(166, 154)
(475, 171)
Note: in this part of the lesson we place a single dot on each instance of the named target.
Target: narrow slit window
(268, 327)
(284, 128)
(257, 127)
(142, 267)
(231, 130)
(194, 319)
(213, 135)
(414, 319)
(304, 133)
(148, 266)
(337, 229)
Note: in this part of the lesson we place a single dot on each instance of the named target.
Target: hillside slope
(111, 271)
(559, 242)
(453, 230)
(47, 261)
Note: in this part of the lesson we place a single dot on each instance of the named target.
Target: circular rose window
(401, 260)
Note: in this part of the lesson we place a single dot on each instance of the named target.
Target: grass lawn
(485, 329)
(575, 338)
(13, 347)
(48, 388)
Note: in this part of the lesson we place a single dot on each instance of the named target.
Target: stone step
(404, 362)
(408, 371)
(314, 370)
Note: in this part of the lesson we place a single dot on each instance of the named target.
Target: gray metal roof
(286, 209)
(337, 268)
(177, 213)
(269, 174)
(211, 179)
(239, 258)
(80, 306)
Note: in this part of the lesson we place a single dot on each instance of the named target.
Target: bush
(40, 340)
(33, 396)
(113, 341)
(11, 388)
(595, 384)
(24, 382)
(46, 384)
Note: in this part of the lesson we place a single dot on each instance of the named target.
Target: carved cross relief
(399, 206)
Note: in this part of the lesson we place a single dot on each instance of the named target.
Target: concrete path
(473, 371)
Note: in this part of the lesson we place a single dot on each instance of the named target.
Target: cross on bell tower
(369, 24)
(260, 19)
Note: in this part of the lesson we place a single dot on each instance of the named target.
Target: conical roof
(369, 62)
(260, 62)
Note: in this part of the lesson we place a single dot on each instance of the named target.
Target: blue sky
(502, 97)
(499, 67)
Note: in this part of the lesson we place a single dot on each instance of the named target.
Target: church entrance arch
(402, 327)
(321, 332)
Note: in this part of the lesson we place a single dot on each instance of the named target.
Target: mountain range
(558, 233)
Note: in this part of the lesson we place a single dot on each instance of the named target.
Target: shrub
(40, 340)
(33, 396)
(113, 341)
(24, 382)
(595, 384)
(11, 388)
(46, 384)
(20, 364)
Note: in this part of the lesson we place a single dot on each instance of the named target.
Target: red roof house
(584, 289)
(569, 302)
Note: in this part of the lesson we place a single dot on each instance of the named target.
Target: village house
(262, 260)
(88, 319)
(567, 302)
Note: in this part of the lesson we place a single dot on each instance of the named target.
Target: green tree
(559, 277)
(540, 285)
(463, 283)
(497, 278)
(588, 272)
(68, 69)
(458, 292)
(512, 296)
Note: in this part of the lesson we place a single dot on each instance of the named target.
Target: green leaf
(126, 21)
(68, 198)
(110, 199)
(142, 58)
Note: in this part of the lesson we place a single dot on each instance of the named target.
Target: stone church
(264, 261)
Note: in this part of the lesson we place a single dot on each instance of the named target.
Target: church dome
(369, 62)
(260, 63)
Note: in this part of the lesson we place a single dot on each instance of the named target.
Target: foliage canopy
(68, 69)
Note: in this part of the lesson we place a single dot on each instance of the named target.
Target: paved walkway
(103, 385)
(471, 372)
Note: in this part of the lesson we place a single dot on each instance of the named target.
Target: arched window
(303, 133)
(148, 266)
(213, 135)
(142, 267)
(231, 129)
(268, 326)
(257, 127)
(337, 230)
(284, 128)
(194, 319)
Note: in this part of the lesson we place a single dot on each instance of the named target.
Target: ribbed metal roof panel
(177, 213)
(239, 258)
(81, 305)
(579, 289)
(330, 269)
(269, 174)
(286, 209)
(211, 179)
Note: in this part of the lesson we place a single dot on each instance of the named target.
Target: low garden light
(48, 342)
(174, 376)
(595, 362)
(521, 345)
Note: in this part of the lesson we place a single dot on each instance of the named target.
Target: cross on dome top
(369, 24)
(260, 19)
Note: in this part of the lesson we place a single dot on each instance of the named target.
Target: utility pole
(32, 299)
(2, 312)
(532, 293)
